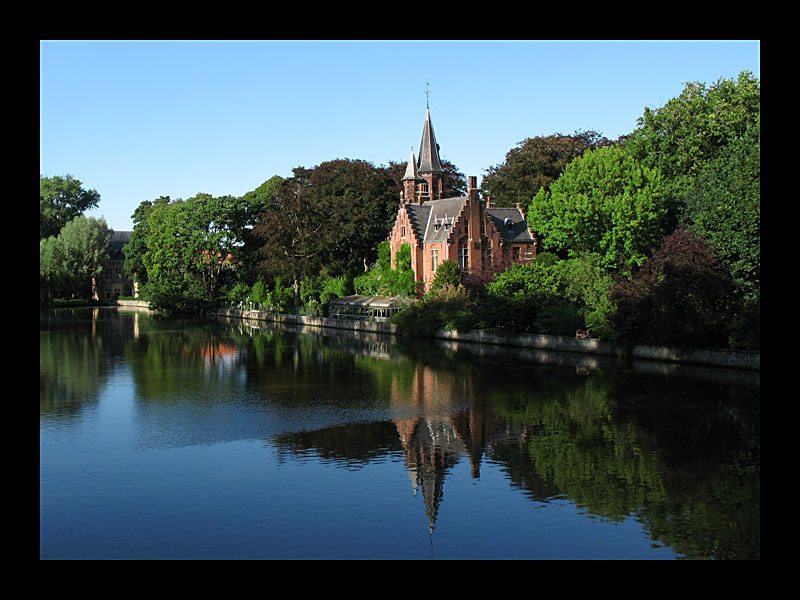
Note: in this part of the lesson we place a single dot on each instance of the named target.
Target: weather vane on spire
(427, 95)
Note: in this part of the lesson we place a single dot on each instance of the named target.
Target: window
(403, 231)
(434, 260)
(515, 253)
(463, 254)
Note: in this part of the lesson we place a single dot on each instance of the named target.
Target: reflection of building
(438, 423)
(113, 281)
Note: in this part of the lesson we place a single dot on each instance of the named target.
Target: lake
(168, 439)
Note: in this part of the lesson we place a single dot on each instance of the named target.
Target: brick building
(481, 238)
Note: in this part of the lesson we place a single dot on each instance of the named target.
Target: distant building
(481, 238)
(113, 281)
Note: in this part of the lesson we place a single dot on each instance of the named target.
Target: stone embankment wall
(133, 304)
(722, 358)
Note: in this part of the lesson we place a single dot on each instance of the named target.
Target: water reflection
(677, 449)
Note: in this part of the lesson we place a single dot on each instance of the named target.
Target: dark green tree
(680, 297)
(333, 216)
(689, 131)
(724, 207)
(535, 164)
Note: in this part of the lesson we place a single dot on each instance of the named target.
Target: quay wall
(132, 304)
(722, 358)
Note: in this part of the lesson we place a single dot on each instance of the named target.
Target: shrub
(447, 274)
(680, 297)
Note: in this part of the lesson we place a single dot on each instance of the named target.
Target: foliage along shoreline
(653, 238)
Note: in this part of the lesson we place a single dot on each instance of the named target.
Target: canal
(167, 439)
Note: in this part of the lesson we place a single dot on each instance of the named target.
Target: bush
(681, 297)
(447, 308)
(383, 280)
(447, 274)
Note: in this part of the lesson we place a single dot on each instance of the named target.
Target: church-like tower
(480, 238)
(423, 178)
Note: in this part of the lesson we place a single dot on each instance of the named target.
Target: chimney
(488, 202)
(472, 192)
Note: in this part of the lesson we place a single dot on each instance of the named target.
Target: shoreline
(739, 359)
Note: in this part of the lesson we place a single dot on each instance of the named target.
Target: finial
(427, 95)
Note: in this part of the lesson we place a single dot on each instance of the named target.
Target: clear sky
(136, 120)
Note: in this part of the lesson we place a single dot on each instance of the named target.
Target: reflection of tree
(680, 456)
(74, 345)
(622, 446)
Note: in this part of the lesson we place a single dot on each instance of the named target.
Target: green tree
(382, 280)
(71, 262)
(724, 207)
(605, 203)
(137, 247)
(187, 250)
(681, 137)
(535, 164)
(447, 273)
(51, 270)
(332, 216)
(61, 199)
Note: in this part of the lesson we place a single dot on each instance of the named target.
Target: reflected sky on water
(179, 439)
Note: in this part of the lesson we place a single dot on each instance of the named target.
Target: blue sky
(136, 120)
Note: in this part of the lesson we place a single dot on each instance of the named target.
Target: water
(179, 440)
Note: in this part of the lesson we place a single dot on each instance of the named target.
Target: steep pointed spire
(428, 149)
(411, 169)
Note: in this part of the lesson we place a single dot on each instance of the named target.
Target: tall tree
(605, 203)
(187, 248)
(71, 262)
(137, 247)
(61, 199)
(332, 216)
(689, 131)
(534, 164)
(724, 207)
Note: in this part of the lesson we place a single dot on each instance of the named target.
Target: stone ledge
(740, 359)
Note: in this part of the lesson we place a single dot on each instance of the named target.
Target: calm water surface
(166, 439)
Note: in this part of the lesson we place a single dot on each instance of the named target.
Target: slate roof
(511, 224)
(428, 149)
(433, 221)
(411, 170)
(419, 217)
(118, 240)
(443, 215)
